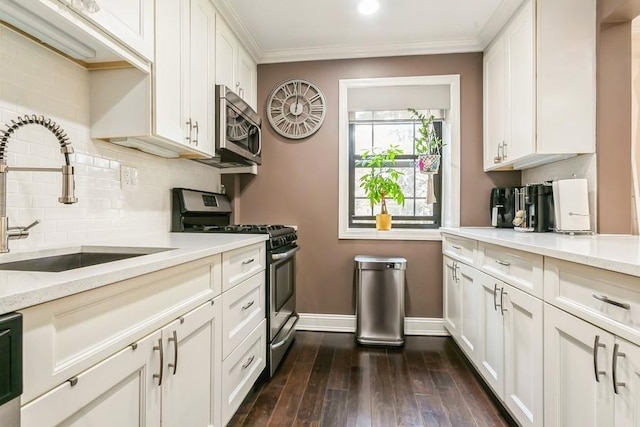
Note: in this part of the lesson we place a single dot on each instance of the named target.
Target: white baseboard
(347, 323)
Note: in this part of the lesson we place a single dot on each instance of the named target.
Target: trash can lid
(378, 262)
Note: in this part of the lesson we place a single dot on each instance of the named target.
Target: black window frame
(368, 221)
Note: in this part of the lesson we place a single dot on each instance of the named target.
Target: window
(369, 130)
(396, 94)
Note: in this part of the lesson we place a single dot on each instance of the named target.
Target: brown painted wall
(298, 184)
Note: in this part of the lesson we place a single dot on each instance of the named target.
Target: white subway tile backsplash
(104, 209)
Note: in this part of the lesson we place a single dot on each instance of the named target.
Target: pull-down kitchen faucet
(68, 184)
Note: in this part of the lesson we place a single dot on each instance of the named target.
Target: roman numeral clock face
(296, 109)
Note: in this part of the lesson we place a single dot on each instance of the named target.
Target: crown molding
(500, 17)
(369, 51)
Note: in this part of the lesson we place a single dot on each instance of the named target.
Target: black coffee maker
(535, 202)
(502, 205)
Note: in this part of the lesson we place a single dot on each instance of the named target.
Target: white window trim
(450, 160)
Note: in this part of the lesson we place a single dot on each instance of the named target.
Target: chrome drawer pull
(505, 263)
(596, 346)
(606, 299)
(160, 349)
(617, 354)
(247, 305)
(495, 294)
(456, 247)
(174, 340)
(248, 362)
(248, 261)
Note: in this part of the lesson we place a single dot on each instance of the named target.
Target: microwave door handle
(259, 141)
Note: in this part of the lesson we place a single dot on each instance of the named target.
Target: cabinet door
(201, 78)
(573, 394)
(520, 50)
(247, 76)
(191, 391)
(627, 398)
(120, 391)
(470, 295)
(226, 52)
(130, 21)
(523, 355)
(169, 70)
(494, 103)
(491, 343)
(452, 303)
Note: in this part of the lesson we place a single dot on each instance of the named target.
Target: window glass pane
(385, 135)
(363, 138)
(421, 184)
(359, 172)
(362, 207)
(396, 209)
(406, 181)
(422, 208)
(391, 115)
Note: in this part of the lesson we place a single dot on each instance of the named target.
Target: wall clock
(296, 109)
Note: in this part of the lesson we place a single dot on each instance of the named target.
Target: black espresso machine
(529, 208)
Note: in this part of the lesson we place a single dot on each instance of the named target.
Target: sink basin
(85, 257)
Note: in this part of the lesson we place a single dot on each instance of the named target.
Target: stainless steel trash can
(380, 300)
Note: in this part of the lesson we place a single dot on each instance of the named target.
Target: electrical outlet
(128, 177)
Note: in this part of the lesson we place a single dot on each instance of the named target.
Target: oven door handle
(291, 331)
(285, 255)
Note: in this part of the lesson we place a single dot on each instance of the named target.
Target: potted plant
(381, 183)
(428, 147)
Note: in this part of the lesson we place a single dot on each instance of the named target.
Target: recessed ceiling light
(368, 7)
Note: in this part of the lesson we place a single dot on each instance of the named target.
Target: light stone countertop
(615, 252)
(24, 289)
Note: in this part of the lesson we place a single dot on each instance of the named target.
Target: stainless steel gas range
(196, 211)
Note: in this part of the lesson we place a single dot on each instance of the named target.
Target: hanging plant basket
(429, 163)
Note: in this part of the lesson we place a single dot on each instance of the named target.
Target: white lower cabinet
(452, 297)
(469, 296)
(120, 391)
(509, 354)
(171, 377)
(592, 376)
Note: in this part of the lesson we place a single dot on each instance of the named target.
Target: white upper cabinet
(170, 112)
(129, 21)
(539, 86)
(234, 66)
(115, 30)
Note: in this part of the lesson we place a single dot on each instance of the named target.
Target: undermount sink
(85, 257)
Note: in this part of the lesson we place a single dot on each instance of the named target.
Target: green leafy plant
(381, 183)
(428, 141)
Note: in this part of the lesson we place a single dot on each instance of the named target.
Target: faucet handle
(30, 226)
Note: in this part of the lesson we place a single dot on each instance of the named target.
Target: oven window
(284, 285)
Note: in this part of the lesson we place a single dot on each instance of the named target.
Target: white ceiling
(293, 30)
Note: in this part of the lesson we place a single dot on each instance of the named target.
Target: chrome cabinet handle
(174, 340)
(159, 348)
(495, 295)
(606, 299)
(497, 158)
(502, 294)
(456, 247)
(190, 124)
(248, 362)
(454, 271)
(616, 354)
(197, 128)
(504, 154)
(241, 92)
(596, 346)
(248, 261)
(505, 263)
(247, 305)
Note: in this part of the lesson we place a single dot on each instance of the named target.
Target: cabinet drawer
(66, 336)
(241, 370)
(521, 269)
(459, 248)
(605, 298)
(242, 263)
(243, 308)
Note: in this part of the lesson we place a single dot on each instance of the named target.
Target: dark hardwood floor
(328, 380)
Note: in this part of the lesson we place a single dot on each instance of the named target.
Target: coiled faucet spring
(68, 183)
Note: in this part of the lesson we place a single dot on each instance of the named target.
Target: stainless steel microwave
(238, 135)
